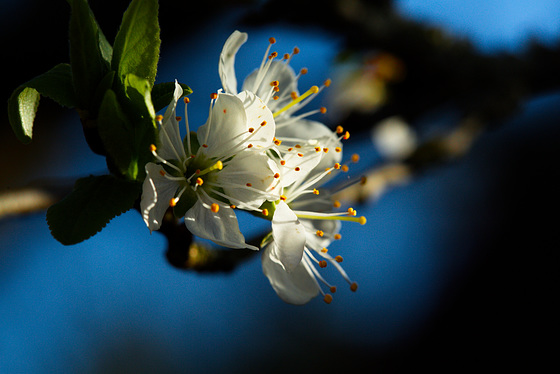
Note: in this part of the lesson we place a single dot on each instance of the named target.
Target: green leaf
(117, 134)
(136, 47)
(137, 90)
(94, 201)
(162, 93)
(24, 101)
(89, 51)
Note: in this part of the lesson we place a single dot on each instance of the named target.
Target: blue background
(429, 262)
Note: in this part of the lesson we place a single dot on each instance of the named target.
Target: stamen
(214, 207)
(312, 90)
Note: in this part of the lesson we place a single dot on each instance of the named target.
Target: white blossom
(222, 168)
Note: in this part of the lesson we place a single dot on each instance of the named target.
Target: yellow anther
(283, 198)
(338, 149)
(355, 157)
(338, 259)
(346, 135)
(324, 250)
(213, 96)
(300, 154)
(199, 181)
(282, 162)
(317, 149)
(327, 299)
(337, 236)
(249, 146)
(273, 55)
(339, 129)
(263, 123)
(320, 233)
(152, 148)
(265, 212)
(327, 82)
(214, 207)
(277, 175)
(186, 100)
(326, 150)
(303, 71)
(295, 51)
(336, 204)
(173, 202)
(297, 168)
(251, 129)
(159, 118)
(271, 40)
(316, 191)
(323, 110)
(337, 166)
(323, 264)
(345, 168)
(274, 83)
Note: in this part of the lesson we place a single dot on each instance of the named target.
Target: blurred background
(456, 264)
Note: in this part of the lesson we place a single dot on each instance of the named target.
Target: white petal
(297, 168)
(227, 61)
(328, 227)
(157, 191)
(221, 227)
(260, 118)
(170, 142)
(225, 128)
(297, 287)
(252, 168)
(289, 237)
(278, 71)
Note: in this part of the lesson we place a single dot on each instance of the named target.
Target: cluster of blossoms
(255, 153)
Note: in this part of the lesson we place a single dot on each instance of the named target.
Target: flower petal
(297, 287)
(157, 191)
(227, 61)
(226, 127)
(278, 71)
(289, 237)
(170, 142)
(260, 118)
(220, 227)
(249, 177)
